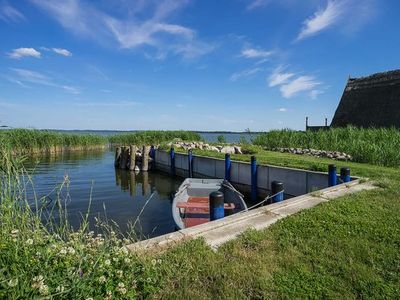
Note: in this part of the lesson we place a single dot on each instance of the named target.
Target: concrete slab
(157, 243)
(263, 177)
(295, 181)
(244, 176)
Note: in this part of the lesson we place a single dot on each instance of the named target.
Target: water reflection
(118, 195)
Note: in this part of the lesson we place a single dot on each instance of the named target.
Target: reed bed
(153, 137)
(379, 146)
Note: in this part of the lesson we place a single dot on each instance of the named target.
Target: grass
(347, 248)
(375, 146)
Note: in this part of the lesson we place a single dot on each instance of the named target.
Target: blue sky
(187, 64)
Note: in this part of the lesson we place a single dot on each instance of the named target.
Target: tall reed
(380, 146)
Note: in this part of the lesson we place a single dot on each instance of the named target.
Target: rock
(228, 149)
(212, 148)
(238, 150)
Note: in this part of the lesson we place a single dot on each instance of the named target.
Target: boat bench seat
(202, 205)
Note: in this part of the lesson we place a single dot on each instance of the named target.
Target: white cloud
(315, 93)
(300, 84)
(61, 51)
(245, 73)
(278, 77)
(24, 52)
(255, 53)
(109, 104)
(71, 89)
(323, 18)
(282, 109)
(131, 30)
(10, 14)
(257, 3)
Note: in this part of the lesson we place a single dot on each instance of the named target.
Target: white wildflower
(121, 288)
(29, 241)
(14, 231)
(60, 289)
(153, 262)
(120, 273)
(127, 260)
(90, 298)
(63, 251)
(102, 279)
(43, 289)
(71, 250)
(107, 262)
(13, 282)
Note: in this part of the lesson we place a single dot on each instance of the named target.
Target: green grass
(375, 146)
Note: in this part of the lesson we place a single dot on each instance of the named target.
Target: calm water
(117, 195)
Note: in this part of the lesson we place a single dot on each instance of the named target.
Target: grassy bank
(375, 146)
(36, 141)
(347, 248)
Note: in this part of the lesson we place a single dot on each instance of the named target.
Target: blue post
(332, 178)
(216, 205)
(253, 171)
(190, 163)
(153, 157)
(345, 174)
(228, 167)
(172, 155)
(277, 190)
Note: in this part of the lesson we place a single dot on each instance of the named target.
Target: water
(116, 195)
(210, 137)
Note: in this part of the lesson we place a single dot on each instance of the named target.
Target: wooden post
(326, 122)
(124, 158)
(145, 158)
(132, 158)
(306, 123)
(117, 156)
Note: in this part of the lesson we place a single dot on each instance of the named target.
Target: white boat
(191, 202)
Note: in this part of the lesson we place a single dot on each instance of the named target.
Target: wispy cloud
(24, 52)
(24, 76)
(291, 84)
(63, 52)
(300, 84)
(131, 31)
(282, 109)
(10, 14)
(255, 53)
(245, 73)
(257, 4)
(323, 18)
(278, 77)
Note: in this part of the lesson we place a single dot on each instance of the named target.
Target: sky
(187, 64)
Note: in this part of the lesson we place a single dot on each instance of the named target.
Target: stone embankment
(230, 149)
(317, 153)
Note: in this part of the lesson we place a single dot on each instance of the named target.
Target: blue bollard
(277, 188)
(172, 155)
(332, 176)
(190, 163)
(253, 171)
(227, 166)
(345, 174)
(216, 205)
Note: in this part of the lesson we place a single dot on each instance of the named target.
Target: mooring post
(227, 166)
(216, 205)
(117, 156)
(124, 158)
(253, 170)
(332, 176)
(153, 157)
(345, 174)
(145, 158)
(190, 163)
(172, 156)
(132, 158)
(277, 190)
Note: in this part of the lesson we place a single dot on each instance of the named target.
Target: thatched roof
(372, 101)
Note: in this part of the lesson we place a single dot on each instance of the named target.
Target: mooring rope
(263, 201)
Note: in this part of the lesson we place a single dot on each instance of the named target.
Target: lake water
(116, 195)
